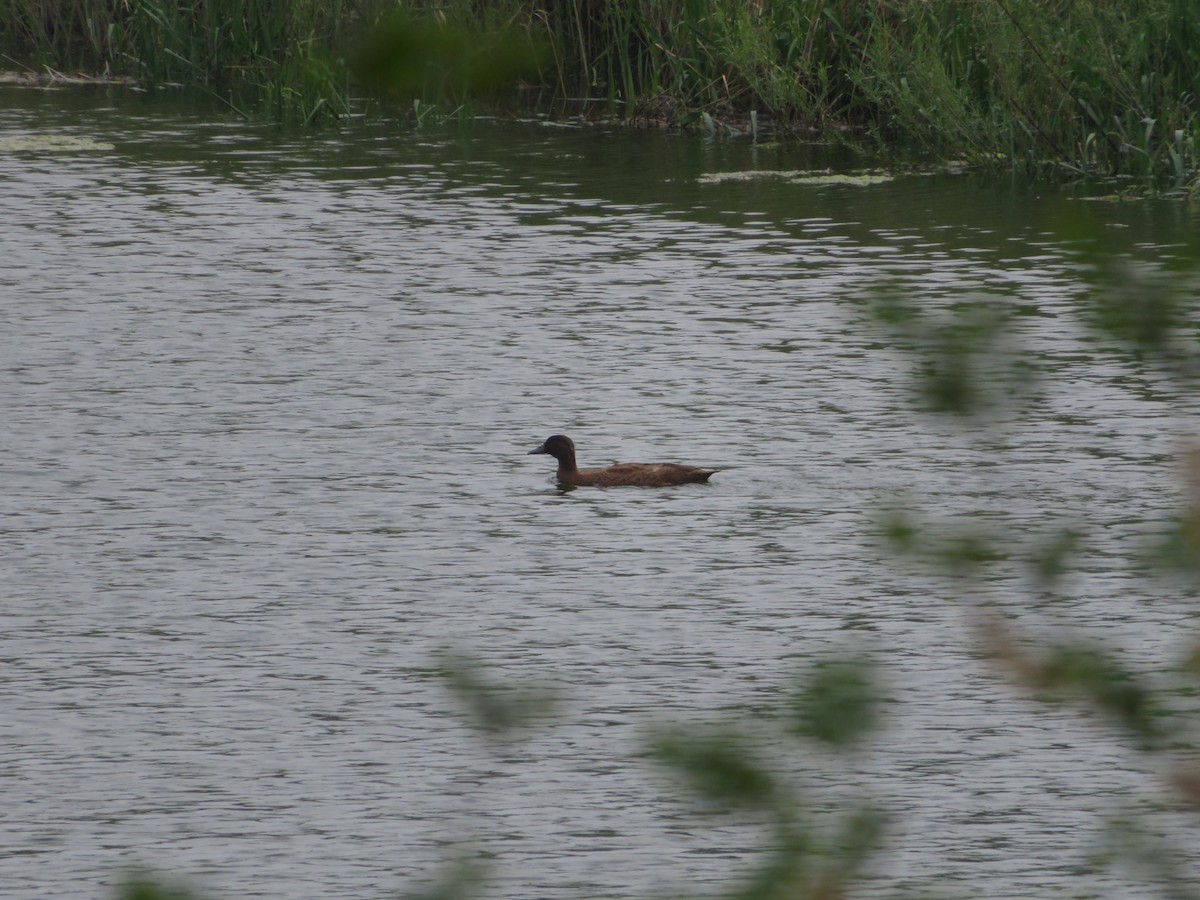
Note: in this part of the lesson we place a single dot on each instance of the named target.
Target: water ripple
(267, 402)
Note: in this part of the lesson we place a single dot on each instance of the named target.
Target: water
(267, 400)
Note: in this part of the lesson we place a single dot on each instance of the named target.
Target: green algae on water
(819, 177)
(49, 143)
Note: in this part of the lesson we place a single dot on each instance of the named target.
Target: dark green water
(268, 397)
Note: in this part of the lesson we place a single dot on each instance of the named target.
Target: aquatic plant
(1095, 88)
(1099, 88)
(284, 56)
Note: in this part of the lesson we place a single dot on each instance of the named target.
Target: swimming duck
(562, 448)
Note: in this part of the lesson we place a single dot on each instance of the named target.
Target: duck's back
(638, 475)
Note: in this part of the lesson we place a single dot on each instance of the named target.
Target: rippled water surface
(267, 399)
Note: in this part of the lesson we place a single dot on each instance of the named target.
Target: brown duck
(562, 448)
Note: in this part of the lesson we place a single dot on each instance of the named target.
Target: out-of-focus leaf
(899, 531)
(861, 836)
(406, 55)
(719, 766)
(143, 886)
(1141, 310)
(950, 546)
(964, 364)
(969, 551)
(461, 881)
(1115, 690)
(1178, 548)
(894, 310)
(782, 874)
(839, 704)
(1050, 556)
(495, 708)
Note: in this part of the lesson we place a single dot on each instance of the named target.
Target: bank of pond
(1103, 88)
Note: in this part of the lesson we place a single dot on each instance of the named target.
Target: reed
(286, 52)
(1106, 87)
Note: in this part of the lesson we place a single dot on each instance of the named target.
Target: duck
(562, 448)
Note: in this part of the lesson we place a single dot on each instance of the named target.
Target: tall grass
(285, 52)
(1108, 86)
(1090, 87)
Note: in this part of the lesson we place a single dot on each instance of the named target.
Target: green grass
(1100, 88)
(284, 54)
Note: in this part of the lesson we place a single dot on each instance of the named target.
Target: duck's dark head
(560, 447)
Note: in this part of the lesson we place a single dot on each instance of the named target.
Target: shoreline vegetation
(50, 77)
(1105, 88)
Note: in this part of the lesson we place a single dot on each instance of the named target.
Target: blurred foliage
(1103, 681)
(971, 375)
(1154, 857)
(1052, 555)
(964, 359)
(144, 886)
(1089, 672)
(497, 709)
(1152, 312)
(838, 705)
(718, 767)
(460, 881)
(809, 852)
(1178, 548)
(413, 57)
